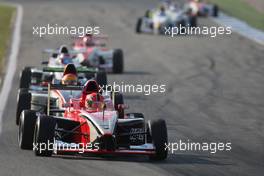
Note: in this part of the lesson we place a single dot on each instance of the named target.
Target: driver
(70, 76)
(162, 10)
(64, 59)
(94, 101)
(88, 40)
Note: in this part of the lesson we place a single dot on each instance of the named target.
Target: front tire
(138, 26)
(44, 135)
(26, 129)
(159, 136)
(101, 78)
(25, 78)
(23, 103)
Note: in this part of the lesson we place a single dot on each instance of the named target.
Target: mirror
(123, 106)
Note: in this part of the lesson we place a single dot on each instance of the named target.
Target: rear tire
(193, 21)
(25, 78)
(215, 10)
(159, 136)
(119, 100)
(44, 135)
(23, 103)
(26, 129)
(118, 61)
(101, 78)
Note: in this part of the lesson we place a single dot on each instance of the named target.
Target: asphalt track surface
(214, 93)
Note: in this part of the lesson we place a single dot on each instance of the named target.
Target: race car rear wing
(58, 51)
(79, 69)
(99, 40)
(64, 87)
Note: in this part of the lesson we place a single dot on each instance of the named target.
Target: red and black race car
(87, 121)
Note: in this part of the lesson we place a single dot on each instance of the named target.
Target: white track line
(12, 60)
(241, 27)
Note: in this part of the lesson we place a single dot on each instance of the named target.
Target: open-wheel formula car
(33, 83)
(94, 123)
(157, 20)
(64, 56)
(94, 53)
(203, 9)
(54, 68)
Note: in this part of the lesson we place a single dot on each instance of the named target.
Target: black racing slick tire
(118, 61)
(25, 78)
(101, 78)
(26, 129)
(215, 10)
(193, 21)
(23, 103)
(44, 136)
(138, 26)
(119, 100)
(159, 136)
(22, 90)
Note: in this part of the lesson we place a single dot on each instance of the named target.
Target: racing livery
(200, 8)
(91, 122)
(34, 82)
(94, 53)
(156, 20)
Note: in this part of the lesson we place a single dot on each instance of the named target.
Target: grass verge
(242, 10)
(6, 14)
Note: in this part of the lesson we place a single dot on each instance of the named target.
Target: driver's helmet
(69, 79)
(64, 49)
(94, 101)
(162, 8)
(88, 40)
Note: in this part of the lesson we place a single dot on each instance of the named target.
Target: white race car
(156, 20)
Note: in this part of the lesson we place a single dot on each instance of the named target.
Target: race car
(96, 54)
(91, 124)
(33, 83)
(61, 57)
(157, 20)
(200, 8)
(54, 70)
(56, 63)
